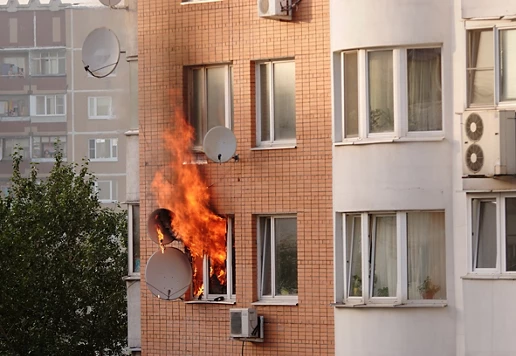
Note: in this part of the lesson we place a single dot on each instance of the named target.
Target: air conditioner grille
(264, 6)
(236, 323)
(474, 127)
(474, 158)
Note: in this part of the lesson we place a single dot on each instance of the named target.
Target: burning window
(277, 238)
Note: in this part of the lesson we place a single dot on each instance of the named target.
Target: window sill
(132, 277)
(290, 302)
(437, 304)
(103, 159)
(279, 147)
(101, 117)
(493, 276)
(198, 2)
(372, 141)
(203, 301)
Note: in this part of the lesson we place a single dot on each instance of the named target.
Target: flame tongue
(186, 194)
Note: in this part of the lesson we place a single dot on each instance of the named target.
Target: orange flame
(187, 195)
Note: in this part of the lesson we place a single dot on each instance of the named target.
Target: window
(14, 106)
(493, 233)
(48, 62)
(210, 99)
(277, 246)
(394, 257)
(49, 105)
(107, 190)
(13, 67)
(9, 144)
(490, 55)
(374, 112)
(100, 107)
(223, 287)
(5, 186)
(44, 146)
(276, 103)
(103, 149)
(134, 239)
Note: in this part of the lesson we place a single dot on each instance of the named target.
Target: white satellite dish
(220, 144)
(161, 218)
(100, 52)
(109, 2)
(168, 274)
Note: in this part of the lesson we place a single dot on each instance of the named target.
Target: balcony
(14, 108)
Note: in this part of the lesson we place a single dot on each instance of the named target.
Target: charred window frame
(277, 262)
(210, 99)
(133, 245)
(213, 290)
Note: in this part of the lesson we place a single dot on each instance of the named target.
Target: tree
(62, 261)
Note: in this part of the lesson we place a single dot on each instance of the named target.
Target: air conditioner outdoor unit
(275, 9)
(243, 322)
(489, 143)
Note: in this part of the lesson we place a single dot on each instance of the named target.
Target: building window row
(393, 257)
(35, 147)
(42, 63)
(210, 97)
(388, 93)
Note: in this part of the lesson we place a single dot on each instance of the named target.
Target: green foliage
(63, 258)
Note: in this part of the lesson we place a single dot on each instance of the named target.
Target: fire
(160, 239)
(184, 192)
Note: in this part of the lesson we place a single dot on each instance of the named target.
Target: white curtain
(424, 89)
(354, 255)
(384, 259)
(426, 255)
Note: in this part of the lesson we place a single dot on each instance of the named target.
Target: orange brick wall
(171, 36)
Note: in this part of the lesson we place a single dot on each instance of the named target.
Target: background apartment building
(46, 95)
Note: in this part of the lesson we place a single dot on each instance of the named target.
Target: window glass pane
(480, 67)
(354, 254)
(265, 103)
(384, 253)
(103, 106)
(40, 105)
(285, 236)
(484, 233)
(424, 89)
(92, 149)
(136, 238)
(507, 68)
(60, 105)
(104, 190)
(216, 94)
(266, 273)
(351, 94)
(51, 105)
(197, 104)
(381, 102)
(426, 255)
(102, 148)
(510, 234)
(284, 101)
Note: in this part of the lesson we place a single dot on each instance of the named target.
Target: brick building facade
(271, 180)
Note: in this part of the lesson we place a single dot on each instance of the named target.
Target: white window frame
(400, 98)
(62, 139)
(501, 260)
(496, 27)
(113, 143)
(343, 271)
(34, 103)
(272, 142)
(50, 55)
(94, 100)
(228, 97)
(230, 296)
(130, 242)
(112, 185)
(274, 299)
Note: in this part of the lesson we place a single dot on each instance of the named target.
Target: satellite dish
(110, 2)
(162, 219)
(100, 52)
(168, 274)
(220, 144)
